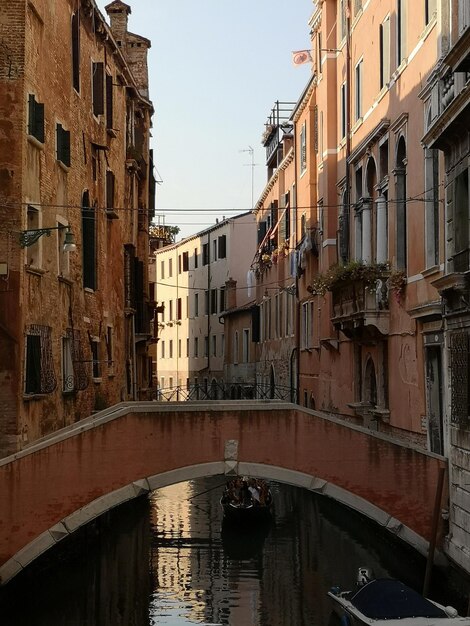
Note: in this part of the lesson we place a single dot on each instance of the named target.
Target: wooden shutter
(222, 246)
(98, 88)
(109, 101)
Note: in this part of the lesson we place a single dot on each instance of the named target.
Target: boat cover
(386, 598)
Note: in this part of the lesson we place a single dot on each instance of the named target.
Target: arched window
(400, 190)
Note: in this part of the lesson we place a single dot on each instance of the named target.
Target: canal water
(169, 560)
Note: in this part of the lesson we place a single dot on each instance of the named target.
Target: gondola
(246, 501)
(391, 603)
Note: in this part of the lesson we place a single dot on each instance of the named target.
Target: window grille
(459, 361)
(39, 368)
(80, 377)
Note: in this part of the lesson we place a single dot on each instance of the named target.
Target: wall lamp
(30, 237)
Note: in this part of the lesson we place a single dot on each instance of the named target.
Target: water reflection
(170, 561)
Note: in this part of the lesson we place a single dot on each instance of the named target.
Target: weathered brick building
(75, 167)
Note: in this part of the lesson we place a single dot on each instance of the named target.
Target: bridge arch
(134, 448)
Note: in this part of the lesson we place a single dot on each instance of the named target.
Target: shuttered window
(35, 119)
(109, 101)
(98, 88)
(222, 246)
(76, 51)
(63, 145)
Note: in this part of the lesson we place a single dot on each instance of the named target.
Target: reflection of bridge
(53, 487)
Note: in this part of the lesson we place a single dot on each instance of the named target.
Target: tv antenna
(251, 152)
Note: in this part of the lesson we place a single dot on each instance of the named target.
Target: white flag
(299, 57)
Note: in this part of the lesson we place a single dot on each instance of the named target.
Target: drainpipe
(348, 121)
(209, 305)
(296, 296)
(134, 364)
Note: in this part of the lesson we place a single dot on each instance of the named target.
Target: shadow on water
(97, 577)
(242, 543)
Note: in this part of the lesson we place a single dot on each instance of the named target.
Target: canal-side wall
(50, 489)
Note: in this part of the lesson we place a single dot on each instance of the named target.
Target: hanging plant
(368, 273)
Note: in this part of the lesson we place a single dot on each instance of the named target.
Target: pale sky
(216, 68)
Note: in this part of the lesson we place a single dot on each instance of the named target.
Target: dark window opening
(36, 119)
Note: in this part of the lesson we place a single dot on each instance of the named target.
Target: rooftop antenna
(251, 152)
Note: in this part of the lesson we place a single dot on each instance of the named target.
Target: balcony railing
(359, 307)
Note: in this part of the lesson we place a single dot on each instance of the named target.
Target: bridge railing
(221, 391)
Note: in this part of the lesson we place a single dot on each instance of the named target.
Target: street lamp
(31, 236)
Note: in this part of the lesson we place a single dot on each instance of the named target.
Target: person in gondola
(245, 495)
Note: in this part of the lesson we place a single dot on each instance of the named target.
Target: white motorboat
(391, 603)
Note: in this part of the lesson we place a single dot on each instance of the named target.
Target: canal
(168, 560)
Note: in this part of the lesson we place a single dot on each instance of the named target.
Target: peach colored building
(74, 163)
(375, 352)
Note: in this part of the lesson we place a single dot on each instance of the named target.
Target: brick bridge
(63, 481)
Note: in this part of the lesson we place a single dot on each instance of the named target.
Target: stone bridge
(58, 484)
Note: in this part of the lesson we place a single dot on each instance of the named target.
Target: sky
(216, 68)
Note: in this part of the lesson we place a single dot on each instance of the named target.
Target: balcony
(361, 310)
(360, 297)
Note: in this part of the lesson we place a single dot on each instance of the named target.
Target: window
(185, 261)
(179, 264)
(179, 349)
(63, 145)
(76, 51)
(303, 148)
(319, 51)
(195, 258)
(358, 98)
(35, 119)
(39, 366)
(162, 269)
(429, 10)
(222, 246)
(170, 302)
(110, 184)
(401, 31)
(214, 250)
(214, 345)
(34, 250)
(290, 314)
(206, 302)
(95, 356)
(221, 299)
(171, 349)
(205, 254)
(162, 353)
(222, 345)
(179, 308)
(385, 52)
(246, 345)
(460, 222)
(109, 101)
(344, 111)
(213, 301)
(206, 346)
(187, 346)
(196, 346)
(170, 268)
(110, 350)
(88, 243)
(431, 176)
(235, 348)
(196, 304)
(343, 18)
(97, 73)
(62, 255)
(307, 331)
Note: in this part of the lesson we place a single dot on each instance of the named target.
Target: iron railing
(222, 391)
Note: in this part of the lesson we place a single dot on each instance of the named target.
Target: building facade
(447, 105)
(192, 280)
(76, 200)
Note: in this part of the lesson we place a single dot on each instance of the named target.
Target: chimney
(134, 47)
(118, 13)
(231, 293)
